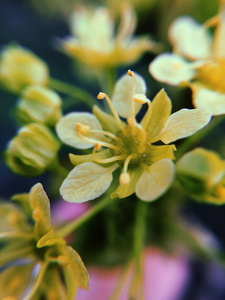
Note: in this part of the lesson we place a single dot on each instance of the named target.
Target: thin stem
(68, 228)
(192, 140)
(139, 239)
(74, 91)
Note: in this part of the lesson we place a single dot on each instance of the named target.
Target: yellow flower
(39, 104)
(198, 60)
(202, 173)
(32, 151)
(147, 169)
(20, 67)
(95, 43)
(39, 257)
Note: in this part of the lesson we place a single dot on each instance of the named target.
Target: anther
(100, 96)
(82, 128)
(130, 73)
(97, 147)
(124, 178)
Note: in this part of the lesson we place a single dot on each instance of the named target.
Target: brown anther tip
(130, 73)
(100, 96)
(97, 147)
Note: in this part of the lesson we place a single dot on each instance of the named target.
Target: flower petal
(209, 99)
(172, 69)
(67, 132)
(125, 190)
(155, 180)
(80, 159)
(160, 112)
(127, 23)
(159, 152)
(41, 209)
(190, 39)
(123, 94)
(184, 123)
(219, 41)
(86, 182)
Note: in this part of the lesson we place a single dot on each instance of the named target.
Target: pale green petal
(107, 121)
(75, 269)
(125, 190)
(128, 22)
(183, 123)
(209, 99)
(67, 132)
(190, 39)
(41, 209)
(86, 182)
(160, 112)
(123, 94)
(171, 69)
(14, 281)
(219, 41)
(80, 159)
(159, 152)
(155, 180)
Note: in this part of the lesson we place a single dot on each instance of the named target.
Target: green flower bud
(19, 68)
(39, 104)
(202, 173)
(32, 151)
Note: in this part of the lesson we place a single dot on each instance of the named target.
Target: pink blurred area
(165, 278)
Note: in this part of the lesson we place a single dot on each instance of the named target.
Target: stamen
(124, 176)
(141, 98)
(114, 112)
(97, 147)
(82, 128)
(132, 111)
(109, 134)
(92, 141)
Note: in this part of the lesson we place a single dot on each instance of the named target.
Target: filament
(132, 110)
(124, 176)
(114, 112)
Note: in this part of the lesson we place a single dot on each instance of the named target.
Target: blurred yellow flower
(19, 68)
(39, 257)
(147, 169)
(94, 42)
(202, 173)
(32, 151)
(39, 104)
(204, 69)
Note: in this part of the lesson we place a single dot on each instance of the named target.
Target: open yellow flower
(147, 169)
(198, 60)
(94, 42)
(40, 259)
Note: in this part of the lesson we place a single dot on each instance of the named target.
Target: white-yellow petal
(155, 180)
(219, 40)
(183, 123)
(67, 131)
(211, 100)
(190, 39)
(124, 91)
(86, 182)
(171, 69)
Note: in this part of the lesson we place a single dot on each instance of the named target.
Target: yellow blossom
(20, 67)
(198, 60)
(39, 257)
(32, 150)
(202, 173)
(94, 42)
(39, 104)
(146, 169)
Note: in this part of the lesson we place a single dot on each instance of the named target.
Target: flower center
(213, 74)
(132, 141)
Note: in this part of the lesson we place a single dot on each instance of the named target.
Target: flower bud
(19, 68)
(39, 104)
(32, 151)
(202, 173)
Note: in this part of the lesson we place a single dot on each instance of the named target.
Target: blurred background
(35, 24)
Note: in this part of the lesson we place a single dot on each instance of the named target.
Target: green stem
(68, 228)
(74, 91)
(194, 139)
